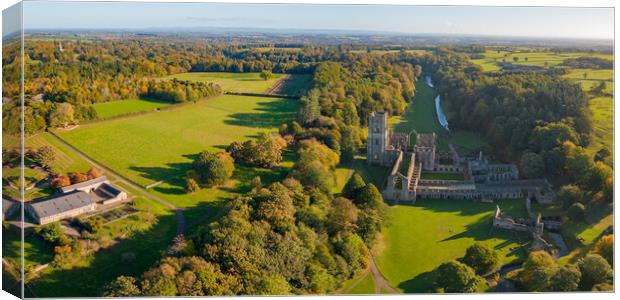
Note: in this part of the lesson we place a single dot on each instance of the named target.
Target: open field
(115, 108)
(541, 59)
(66, 160)
(421, 118)
(359, 285)
(602, 109)
(160, 146)
(232, 82)
(432, 232)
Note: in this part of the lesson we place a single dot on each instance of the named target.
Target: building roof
(7, 206)
(425, 140)
(84, 184)
(45, 207)
(110, 189)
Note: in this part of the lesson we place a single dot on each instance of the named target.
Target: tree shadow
(88, 279)
(166, 173)
(269, 114)
(423, 283)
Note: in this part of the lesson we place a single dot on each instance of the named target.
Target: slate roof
(83, 184)
(110, 189)
(55, 205)
(7, 206)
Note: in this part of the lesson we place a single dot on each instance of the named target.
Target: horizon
(484, 21)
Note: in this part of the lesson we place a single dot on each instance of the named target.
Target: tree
(276, 207)
(576, 212)
(369, 196)
(342, 216)
(594, 270)
(354, 251)
(570, 194)
(309, 109)
(532, 165)
(566, 279)
(602, 154)
(51, 233)
(353, 187)
(605, 248)
(456, 277)
(537, 271)
(93, 173)
(597, 176)
(62, 115)
(213, 169)
(481, 258)
(313, 174)
(77, 177)
(60, 181)
(266, 75)
(122, 286)
(350, 142)
(45, 156)
(191, 186)
(274, 285)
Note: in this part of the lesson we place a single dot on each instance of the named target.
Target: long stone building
(482, 181)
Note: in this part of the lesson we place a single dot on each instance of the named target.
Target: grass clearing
(160, 146)
(116, 108)
(232, 82)
(66, 159)
(602, 109)
(432, 232)
(359, 285)
(421, 118)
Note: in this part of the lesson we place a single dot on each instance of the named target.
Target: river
(441, 117)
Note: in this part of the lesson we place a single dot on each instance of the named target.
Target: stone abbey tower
(377, 138)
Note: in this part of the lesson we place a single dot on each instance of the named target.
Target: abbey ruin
(482, 181)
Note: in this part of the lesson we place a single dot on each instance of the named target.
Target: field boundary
(262, 95)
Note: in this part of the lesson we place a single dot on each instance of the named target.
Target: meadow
(421, 118)
(115, 108)
(421, 237)
(525, 56)
(160, 146)
(232, 82)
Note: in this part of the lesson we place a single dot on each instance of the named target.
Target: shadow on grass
(423, 283)
(89, 277)
(270, 114)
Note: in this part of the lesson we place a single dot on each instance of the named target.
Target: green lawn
(36, 250)
(421, 118)
(432, 232)
(160, 146)
(602, 109)
(538, 58)
(359, 285)
(232, 82)
(115, 108)
(66, 159)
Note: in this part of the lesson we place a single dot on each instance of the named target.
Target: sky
(559, 22)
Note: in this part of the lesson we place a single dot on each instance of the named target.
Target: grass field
(492, 57)
(359, 285)
(66, 160)
(160, 146)
(421, 118)
(232, 82)
(432, 232)
(602, 109)
(115, 108)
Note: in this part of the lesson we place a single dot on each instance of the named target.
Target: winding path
(380, 281)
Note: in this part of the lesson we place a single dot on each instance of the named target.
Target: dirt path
(380, 282)
(177, 211)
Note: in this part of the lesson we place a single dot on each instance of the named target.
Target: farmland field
(232, 82)
(432, 232)
(541, 59)
(114, 108)
(160, 146)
